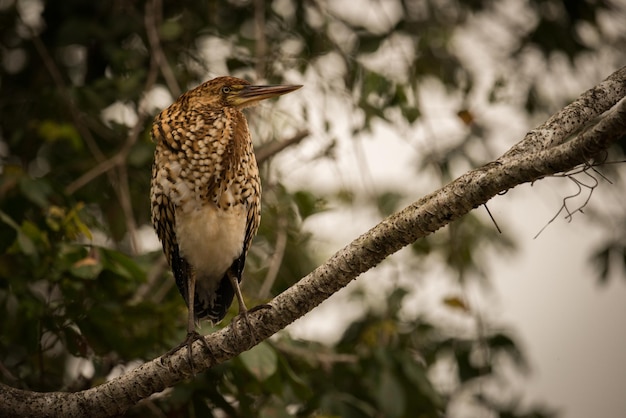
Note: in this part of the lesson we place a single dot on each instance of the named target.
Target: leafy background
(84, 290)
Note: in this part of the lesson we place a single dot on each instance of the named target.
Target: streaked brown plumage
(206, 192)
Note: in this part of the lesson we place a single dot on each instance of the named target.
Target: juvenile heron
(206, 193)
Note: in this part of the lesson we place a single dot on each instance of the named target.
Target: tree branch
(273, 148)
(575, 116)
(423, 217)
(151, 21)
(107, 165)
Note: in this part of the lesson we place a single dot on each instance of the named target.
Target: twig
(327, 358)
(492, 218)
(71, 106)
(259, 33)
(580, 186)
(159, 294)
(605, 178)
(123, 191)
(54, 72)
(274, 148)
(104, 167)
(276, 259)
(118, 159)
(613, 123)
(155, 411)
(150, 20)
(155, 273)
(107, 165)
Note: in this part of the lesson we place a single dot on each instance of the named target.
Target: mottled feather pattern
(204, 161)
(206, 192)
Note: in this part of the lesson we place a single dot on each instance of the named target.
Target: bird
(205, 193)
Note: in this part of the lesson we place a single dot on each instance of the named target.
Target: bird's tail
(214, 306)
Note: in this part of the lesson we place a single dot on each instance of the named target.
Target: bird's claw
(244, 315)
(188, 341)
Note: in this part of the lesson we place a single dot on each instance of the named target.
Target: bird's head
(237, 93)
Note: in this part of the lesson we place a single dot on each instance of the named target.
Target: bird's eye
(225, 89)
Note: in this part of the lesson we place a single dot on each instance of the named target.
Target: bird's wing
(252, 223)
(163, 213)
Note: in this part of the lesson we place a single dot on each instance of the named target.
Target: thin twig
(75, 114)
(316, 356)
(587, 186)
(276, 259)
(102, 168)
(570, 214)
(261, 42)
(152, 12)
(492, 218)
(159, 294)
(123, 192)
(54, 72)
(154, 274)
(605, 178)
(107, 165)
(274, 148)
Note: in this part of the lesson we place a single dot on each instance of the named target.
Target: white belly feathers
(210, 239)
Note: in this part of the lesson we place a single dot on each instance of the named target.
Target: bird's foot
(244, 316)
(188, 341)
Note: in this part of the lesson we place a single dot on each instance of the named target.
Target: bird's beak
(249, 95)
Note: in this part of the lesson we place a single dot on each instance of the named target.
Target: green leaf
(170, 30)
(7, 220)
(418, 376)
(390, 395)
(369, 43)
(141, 155)
(26, 244)
(297, 383)
(37, 191)
(410, 113)
(121, 265)
(307, 202)
(52, 131)
(261, 361)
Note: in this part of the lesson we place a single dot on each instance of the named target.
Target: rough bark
(551, 148)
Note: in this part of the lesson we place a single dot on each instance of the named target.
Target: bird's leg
(192, 334)
(191, 295)
(243, 311)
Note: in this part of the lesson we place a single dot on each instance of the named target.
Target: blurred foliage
(74, 188)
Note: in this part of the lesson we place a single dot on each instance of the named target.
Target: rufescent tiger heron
(206, 193)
